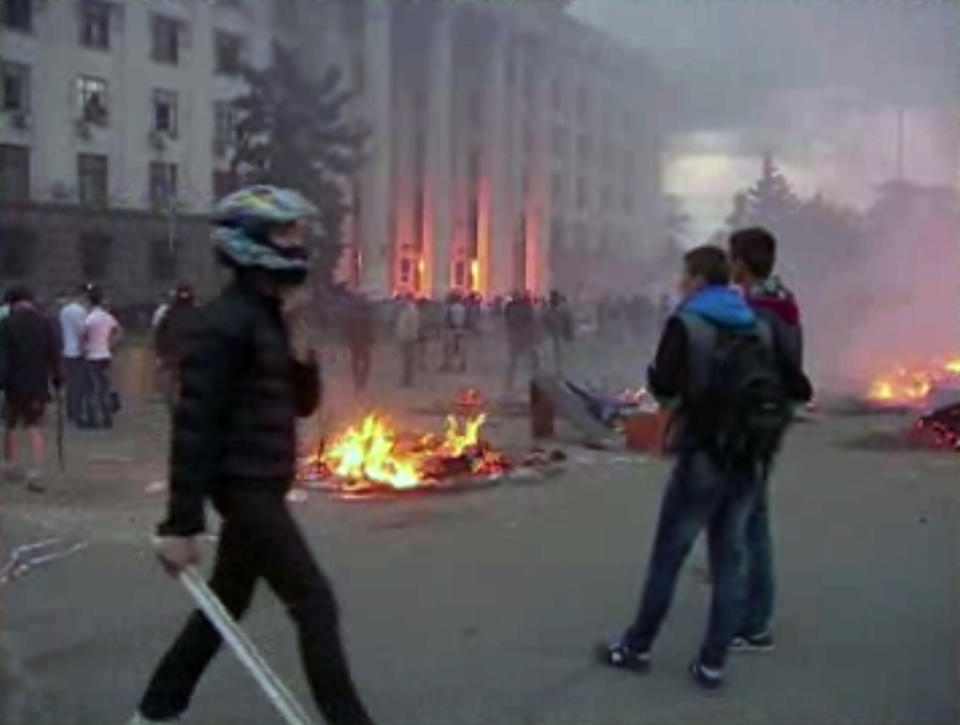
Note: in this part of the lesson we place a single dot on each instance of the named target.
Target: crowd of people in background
(448, 335)
(48, 350)
(431, 336)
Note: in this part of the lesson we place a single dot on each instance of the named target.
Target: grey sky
(815, 81)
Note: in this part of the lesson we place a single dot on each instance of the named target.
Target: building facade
(114, 129)
(511, 146)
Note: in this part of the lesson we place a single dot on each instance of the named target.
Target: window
(224, 183)
(17, 14)
(92, 179)
(17, 246)
(14, 173)
(165, 112)
(92, 99)
(229, 53)
(166, 39)
(406, 271)
(16, 87)
(163, 260)
(224, 125)
(163, 182)
(95, 255)
(581, 193)
(95, 24)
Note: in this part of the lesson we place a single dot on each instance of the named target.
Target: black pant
(75, 372)
(259, 538)
(97, 408)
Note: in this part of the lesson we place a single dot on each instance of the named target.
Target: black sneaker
(762, 642)
(705, 677)
(623, 657)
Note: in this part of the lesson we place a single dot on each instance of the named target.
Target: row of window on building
(93, 102)
(19, 258)
(95, 31)
(93, 179)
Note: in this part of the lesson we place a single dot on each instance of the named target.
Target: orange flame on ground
(372, 452)
(911, 385)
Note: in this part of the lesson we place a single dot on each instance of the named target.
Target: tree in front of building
(295, 131)
(771, 202)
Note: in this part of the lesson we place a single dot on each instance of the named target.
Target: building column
(438, 191)
(538, 217)
(494, 247)
(375, 275)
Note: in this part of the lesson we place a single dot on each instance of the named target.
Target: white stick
(281, 697)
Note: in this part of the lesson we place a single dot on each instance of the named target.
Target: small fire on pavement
(912, 385)
(372, 457)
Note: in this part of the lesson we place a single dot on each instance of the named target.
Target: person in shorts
(29, 367)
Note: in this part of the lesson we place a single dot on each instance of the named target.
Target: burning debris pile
(934, 391)
(371, 458)
(911, 386)
(938, 429)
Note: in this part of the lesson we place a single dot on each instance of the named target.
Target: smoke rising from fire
(819, 85)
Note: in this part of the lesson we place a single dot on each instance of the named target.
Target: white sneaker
(139, 719)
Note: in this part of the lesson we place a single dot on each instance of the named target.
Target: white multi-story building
(511, 146)
(116, 102)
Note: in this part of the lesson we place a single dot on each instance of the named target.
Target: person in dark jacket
(247, 375)
(170, 339)
(520, 320)
(29, 368)
(753, 255)
(559, 326)
(700, 493)
(359, 333)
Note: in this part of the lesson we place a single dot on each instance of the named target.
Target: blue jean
(697, 496)
(758, 565)
(97, 409)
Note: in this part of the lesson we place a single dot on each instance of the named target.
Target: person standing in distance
(247, 374)
(72, 317)
(101, 334)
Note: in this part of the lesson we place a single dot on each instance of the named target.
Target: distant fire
(913, 385)
(372, 455)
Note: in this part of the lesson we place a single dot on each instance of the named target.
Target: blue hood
(721, 305)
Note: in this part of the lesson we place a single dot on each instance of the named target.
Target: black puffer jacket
(234, 427)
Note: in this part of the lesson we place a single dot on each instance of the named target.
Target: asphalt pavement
(483, 608)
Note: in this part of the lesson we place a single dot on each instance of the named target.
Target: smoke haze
(819, 85)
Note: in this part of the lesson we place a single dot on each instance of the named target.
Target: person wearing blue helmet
(247, 373)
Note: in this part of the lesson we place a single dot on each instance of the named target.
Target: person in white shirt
(162, 309)
(72, 318)
(101, 333)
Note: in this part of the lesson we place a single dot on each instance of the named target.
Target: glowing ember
(913, 385)
(372, 454)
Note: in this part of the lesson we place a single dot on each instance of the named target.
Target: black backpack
(737, 405)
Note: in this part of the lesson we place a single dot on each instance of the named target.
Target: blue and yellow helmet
(244, 220)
